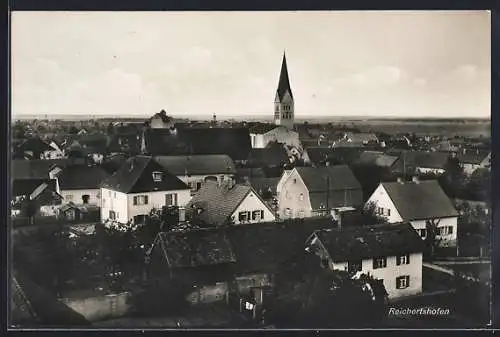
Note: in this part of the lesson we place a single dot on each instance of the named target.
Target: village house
(43, 192)
(471, 160)
(355, 139)
(307, 192)
(32, 148)
(161, 141)
(421, 203)
(375, 158)
(197, 169)
(419, 162)
(80, 184)
(138, 187)
(263, 134)
(229, 203)
(161, 120)
(392, 253)
(272, 156)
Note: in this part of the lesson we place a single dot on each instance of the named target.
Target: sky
(404, 64)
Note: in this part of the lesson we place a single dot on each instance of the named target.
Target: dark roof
(472, 156)
(376, 159)
(414, 159)
(370, 241)
(284, 82)
(340, 178)
(218, 202)
(261, 128)
(135, 176)
(163, 142)
(94, 143)
(235, 142)
(27, 186)
(130, 142)
(318, 155)
(345, 155)
(270, 156)
(249, 172)
(263, 184)
(34, 144)
(197, 164)
(36, 168)
(195, 248)
(81, 177)
(421, 200)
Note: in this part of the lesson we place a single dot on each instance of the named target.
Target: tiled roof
(472, 156)
(418, 201)
(271, 156)
(135, 176)
(34, 144)
(163, 142)
(27, 186)
(197, 164)
(260, 128)
(130, 142)
(263, 184)
(370, 241)
(318, 155)
(94, 143)
(81, 177)
(36, 168)
(218, 202)
(375, 158)
(340, 178)
(414, 159)
(195, 248)
(249, 172)
(234, 142)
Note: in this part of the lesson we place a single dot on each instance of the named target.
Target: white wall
(113, 201)
(427, 170)
(76, 196)
(469, 168)
(279, 134)
(289, 197)
(381, 198)
(253, 203)
(201, 178)
(447, 240)
(391, 272)
(155, 200)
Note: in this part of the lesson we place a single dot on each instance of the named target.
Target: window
(157, 175)
(421, 232)
(301, 196)
(258, 215)
(288, 211)
(243, 216)
(403, 259)
(171, 199)
(141, 200)
(112, 215)
(301, 214)
(85, 198)
(450, 229)
(354, 266)
(402, 282)
(379, 262)
(198, 186)
(388, 212)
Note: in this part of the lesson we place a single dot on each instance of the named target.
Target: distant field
(472, 130)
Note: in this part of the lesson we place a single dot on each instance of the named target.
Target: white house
(307, 191)
(261, 136)
(471, 160)
(216, 204)
(194, 170)
(392, 253)
(139, 186)
(417, 202)
(80, 184)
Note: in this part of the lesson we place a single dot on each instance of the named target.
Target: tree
(370, 217)
(432, 239)
(478, 186)
(73, 130)
(453, 179)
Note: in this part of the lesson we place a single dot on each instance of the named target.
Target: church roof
(284, 82)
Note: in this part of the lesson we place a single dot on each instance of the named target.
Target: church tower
(283, 101)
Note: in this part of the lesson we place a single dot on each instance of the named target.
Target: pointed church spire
(284, 82)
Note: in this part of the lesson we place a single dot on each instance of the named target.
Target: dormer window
(157, 176)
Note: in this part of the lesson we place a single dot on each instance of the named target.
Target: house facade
(307, 192)
(278, 134)
(80, 184)
(391, 253)
(473, 160)
(417, 202)
(138, 187)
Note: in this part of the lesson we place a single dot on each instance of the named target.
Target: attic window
(157, 176)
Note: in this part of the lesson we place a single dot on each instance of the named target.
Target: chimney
(400, 180)
(415, 179)
(182, 214)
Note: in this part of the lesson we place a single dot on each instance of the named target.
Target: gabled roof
(472, 156)
(260, 128)
(197, 164)
(34, 144)
(418, 201)
(338, 177)
(234, 142)
(195, 248)
(36, 168)
(363, 242)
(81, 177)
(318, 155)
(135, 176)
(375, 158)
(218, 202)
(27, 186)
(284, 82)
(414, 159)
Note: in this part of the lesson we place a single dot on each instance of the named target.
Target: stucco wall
(448, 240)
(100, 307)
(76, 196)
(113, 201)
(253, 203)
(155, 200)
(290, 197)
(381, 199)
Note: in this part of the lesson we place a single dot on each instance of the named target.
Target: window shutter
(398, 284)
(146, 199)
(450, 230)
(407, 258)
(175, 199)
(135, 200)
(262, 214)
(374, 263)
(249, 215)
(407, 281)
(398, 260)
